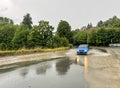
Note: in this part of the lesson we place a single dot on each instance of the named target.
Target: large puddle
(98, 69)
(61, 73)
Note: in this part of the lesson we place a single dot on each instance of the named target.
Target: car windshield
(83, 46)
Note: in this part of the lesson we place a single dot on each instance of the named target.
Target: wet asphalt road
(98, 69)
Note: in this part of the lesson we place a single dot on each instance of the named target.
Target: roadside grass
(29, 51)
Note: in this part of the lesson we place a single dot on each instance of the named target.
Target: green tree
(64, 41)
(100, 23)
(64, 29)
(101, 36)
(6, 35)
(89, 26)
(41, 35)
(20, 39)
(3, 46)
(113, 22)
(92, 37)
(80, 37)
(27, 21)
(56, 41)
(5, 21)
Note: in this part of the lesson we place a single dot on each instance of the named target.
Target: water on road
(60, 73)
(99, 69)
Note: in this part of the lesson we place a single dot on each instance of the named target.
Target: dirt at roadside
(6, 62)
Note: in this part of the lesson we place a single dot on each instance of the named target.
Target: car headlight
(85, 50)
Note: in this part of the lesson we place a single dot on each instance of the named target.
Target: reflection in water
(72, 75)
(79, 59)
(6, 70)
(86, 69)
(63, 65)
(85, 64)
(24, 72)
(42, 68)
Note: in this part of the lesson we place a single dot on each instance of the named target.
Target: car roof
(83, 45)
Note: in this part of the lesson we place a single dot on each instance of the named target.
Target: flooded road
(61, 73)
(99, 69)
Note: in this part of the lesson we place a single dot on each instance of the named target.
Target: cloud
(4, 6)
(3, 9)
(5, 3)
(11, 10)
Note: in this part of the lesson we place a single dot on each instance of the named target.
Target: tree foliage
(80, 37)
(64, 29)
(103, 34)
(27, 21)
(41, 35)
(89, 26)
(6, 35)
(5, 20)
(18, 36)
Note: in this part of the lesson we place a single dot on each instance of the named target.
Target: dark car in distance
(83, 49)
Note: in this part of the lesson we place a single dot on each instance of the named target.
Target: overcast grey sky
(77, 12)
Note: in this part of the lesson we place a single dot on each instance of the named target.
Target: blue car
(83, 49)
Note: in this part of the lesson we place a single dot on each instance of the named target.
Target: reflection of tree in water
(42, 69)
(63, 65)
(24, 72)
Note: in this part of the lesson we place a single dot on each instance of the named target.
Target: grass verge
(29, 51)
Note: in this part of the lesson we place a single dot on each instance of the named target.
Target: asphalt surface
(99, 69)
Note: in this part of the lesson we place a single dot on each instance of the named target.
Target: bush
(70, 45)
(3, 46)
(56, 41)
(64, 41)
